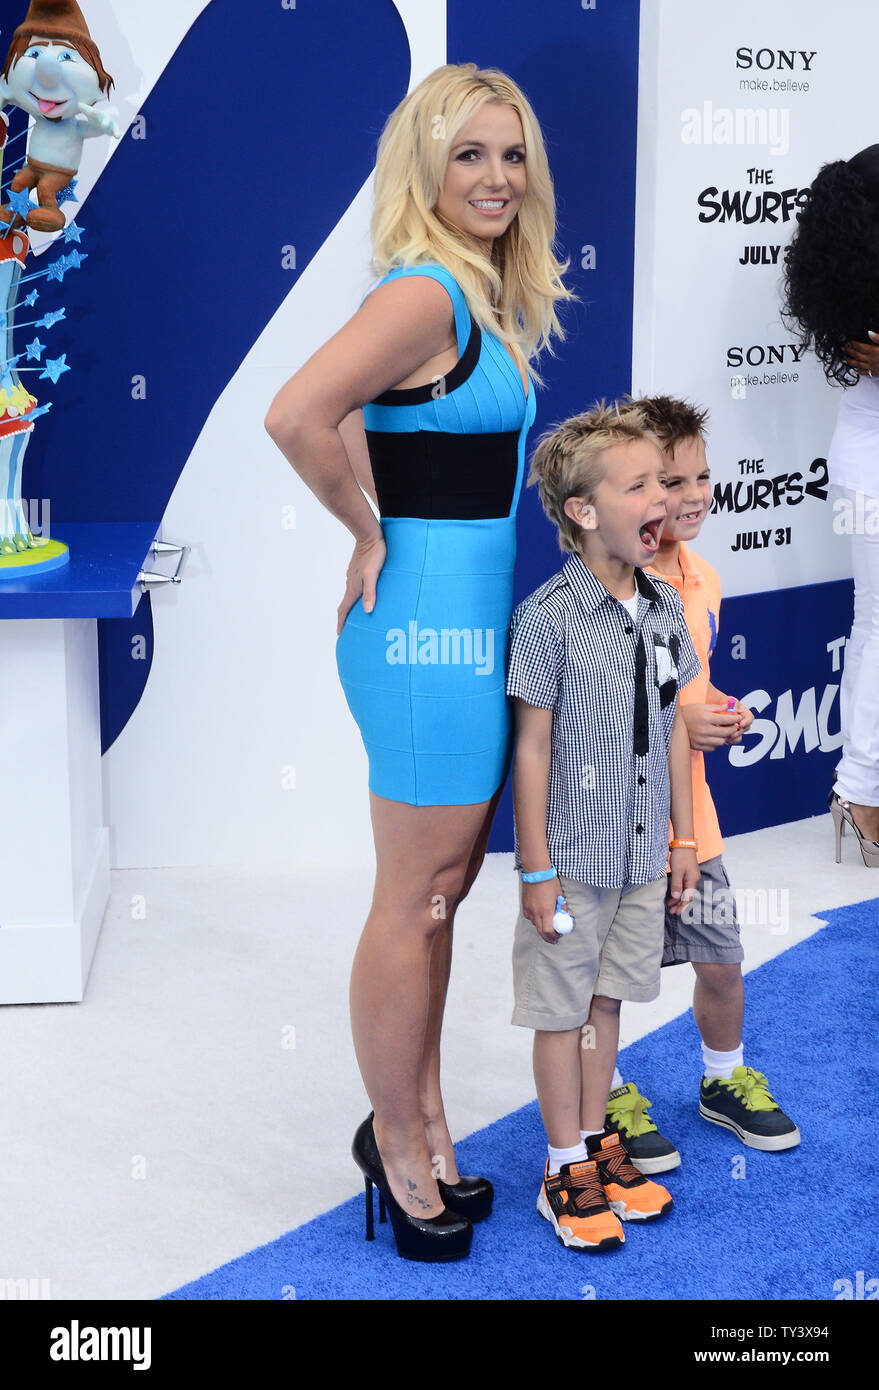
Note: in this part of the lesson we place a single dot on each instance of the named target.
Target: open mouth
(690, 517)
(492, 206)
(47, 107)
(650, 532)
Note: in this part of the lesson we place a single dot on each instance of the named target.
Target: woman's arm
(354, 438)
(398, 327)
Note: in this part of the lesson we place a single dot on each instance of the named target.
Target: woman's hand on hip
(363, 572)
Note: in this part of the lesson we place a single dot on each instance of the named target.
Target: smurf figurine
(53, 72)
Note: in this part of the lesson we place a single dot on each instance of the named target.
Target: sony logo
(781, 58)
(757, 354)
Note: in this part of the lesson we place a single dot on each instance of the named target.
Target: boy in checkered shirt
(707, 934)
(602, 761)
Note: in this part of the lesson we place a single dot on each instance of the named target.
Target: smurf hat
(57, 19)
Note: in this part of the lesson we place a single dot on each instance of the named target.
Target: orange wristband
(682, 844)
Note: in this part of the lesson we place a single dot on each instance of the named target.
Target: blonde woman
(423, 401)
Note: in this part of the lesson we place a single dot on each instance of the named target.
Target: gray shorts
(614, 950)
(707, 929)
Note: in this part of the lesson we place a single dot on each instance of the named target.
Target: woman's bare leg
(439, 1140)
(422, 855)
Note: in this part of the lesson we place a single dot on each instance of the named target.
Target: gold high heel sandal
(842, 816)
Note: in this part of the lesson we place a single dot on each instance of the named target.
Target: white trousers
(858, 775)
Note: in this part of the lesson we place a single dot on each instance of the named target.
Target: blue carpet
(789, 1228)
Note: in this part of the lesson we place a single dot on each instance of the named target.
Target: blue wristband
(538, 876)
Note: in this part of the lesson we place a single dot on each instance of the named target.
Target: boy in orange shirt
(706, 934)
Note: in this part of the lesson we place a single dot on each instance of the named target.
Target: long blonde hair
(523, 277)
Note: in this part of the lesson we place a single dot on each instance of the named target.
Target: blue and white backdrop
(229, 239)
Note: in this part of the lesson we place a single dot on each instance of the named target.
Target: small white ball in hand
(562, 921)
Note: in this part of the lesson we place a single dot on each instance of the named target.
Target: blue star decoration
(54, 369)
(58, 269)
(50, 319)
(73, 232)
(37, 410)
(35, 350)
(31, 298)
(67, 195)
(6, 381)
(21, 203)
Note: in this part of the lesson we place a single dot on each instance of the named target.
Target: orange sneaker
(632, 1196)
(574, 1201)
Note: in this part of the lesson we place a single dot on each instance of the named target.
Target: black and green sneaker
(627, 1116)
(744, 1105)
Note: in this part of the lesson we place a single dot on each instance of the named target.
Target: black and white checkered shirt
(612, 686)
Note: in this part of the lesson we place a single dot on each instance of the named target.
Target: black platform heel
(433, 1238)
(470, 1197)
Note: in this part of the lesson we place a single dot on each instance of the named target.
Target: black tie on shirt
(641, 736)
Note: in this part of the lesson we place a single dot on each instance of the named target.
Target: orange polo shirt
(699, 587)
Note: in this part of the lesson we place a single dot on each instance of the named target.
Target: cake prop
(54, 73)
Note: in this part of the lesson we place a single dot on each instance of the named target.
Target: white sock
(587, 1134)
(617, 1079)
(576, 1154)
(721, 1063)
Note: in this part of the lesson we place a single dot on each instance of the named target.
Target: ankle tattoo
(412, 1196)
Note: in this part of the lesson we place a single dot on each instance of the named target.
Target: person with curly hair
(831, 296)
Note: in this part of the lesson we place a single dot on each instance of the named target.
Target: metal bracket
(151, 579)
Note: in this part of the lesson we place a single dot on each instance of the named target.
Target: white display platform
(54, 846)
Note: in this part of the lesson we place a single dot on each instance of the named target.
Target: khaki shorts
(614, 950)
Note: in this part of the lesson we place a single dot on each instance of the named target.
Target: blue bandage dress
(424, 672)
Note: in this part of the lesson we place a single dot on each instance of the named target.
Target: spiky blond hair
(570, 459)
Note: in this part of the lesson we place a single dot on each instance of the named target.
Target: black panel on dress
(440, 476)
(420, 395)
